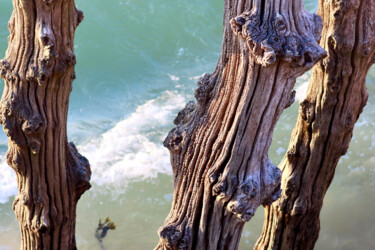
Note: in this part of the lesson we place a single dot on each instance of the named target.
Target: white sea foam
(132, 149)
(174, 78)
(301, 91)
(8, 182)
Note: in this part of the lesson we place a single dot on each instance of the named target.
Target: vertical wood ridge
(38, 70)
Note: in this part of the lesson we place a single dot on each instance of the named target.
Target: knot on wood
(269, 41)
(174, 237)
(291, 100)
(72, 77)
(345, 34)
(80, 16)
(43, 71)
(33, 126)
(80, 170)
(249, 188)
(334, 85)
(204, 87)
(366, 47)
(34, 144)
(240, 209)
(307, 111)
(219, 189)
(15, 160)
(5, 69)
(291, 184)
(66, 61)
(258, 188)
(185, 114)
(174, 139)
(299, 207)
(23, 199)
(39, 224)
(16, 203)
(347, 123)
(275, 195)
(244, 202)
(10, 117)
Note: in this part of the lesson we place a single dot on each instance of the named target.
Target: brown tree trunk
(334, 101)
(38, 70)
(221, 169)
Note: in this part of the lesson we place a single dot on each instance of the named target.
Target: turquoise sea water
(138, 61)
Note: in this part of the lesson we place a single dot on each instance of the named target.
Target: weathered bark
(38, 70)
(221, 168)
(334, 101)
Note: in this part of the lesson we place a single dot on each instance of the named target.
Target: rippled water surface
(138, 61)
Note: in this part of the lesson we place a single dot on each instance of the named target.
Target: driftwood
(221, 169)
(334, 101)
(38, 70)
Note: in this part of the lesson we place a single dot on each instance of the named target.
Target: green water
(138, 61)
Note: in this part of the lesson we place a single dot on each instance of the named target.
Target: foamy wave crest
(301, 91)
(133, 148)
(8, 182)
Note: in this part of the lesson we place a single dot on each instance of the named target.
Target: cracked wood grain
(335, 98)
(38, 70)
(219, 148)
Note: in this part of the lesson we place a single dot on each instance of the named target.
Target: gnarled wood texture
(38, 70)
(221, 168)
(334, 101)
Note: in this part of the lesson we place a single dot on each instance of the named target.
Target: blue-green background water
(138, 61)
